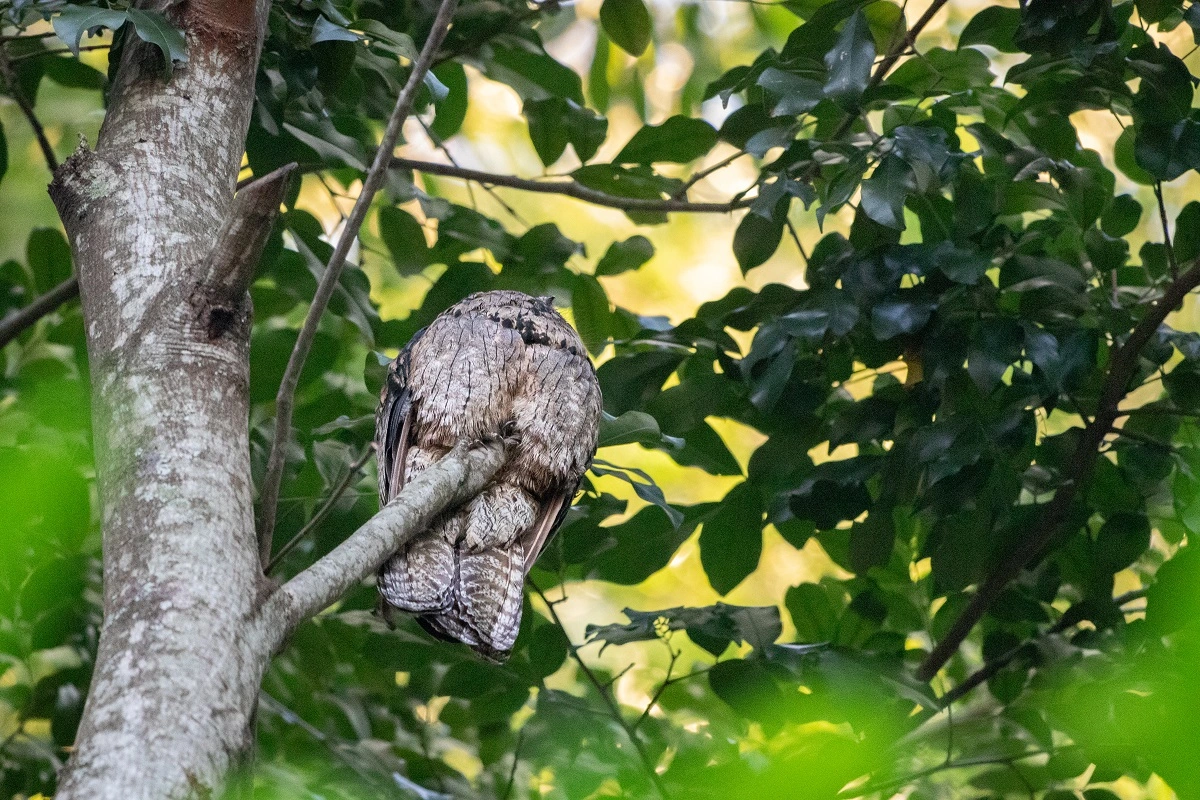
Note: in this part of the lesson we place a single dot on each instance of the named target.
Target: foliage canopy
(977, 406)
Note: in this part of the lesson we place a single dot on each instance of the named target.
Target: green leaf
(731, 539)
(556, 122)
(892, 318)
(3, 153)
(883, 193)
(628, 24)
(1168, 151)
(152, 27)
(450, 110)
(790, 94)
(1186, 232)
(646, 488)
(1126, 160)
(1122, 216)
(73, 21)
(814, 613)
(49, 258)
(1122, 539)
(678, 140)
(73, 74)
(325, 31)
(625, 256)
(591, 312)
(405, 240)
(850, 61)
(630, 427)
(940, 71)
(993, 26)
(756, 240)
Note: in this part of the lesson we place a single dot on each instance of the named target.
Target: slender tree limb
(323, 511)
(910, 38)
(61, 51)
(15, 324)
(569, 188)
(1055, 513)
(285, 398)
(988, 670)
(458, 476)
(1166, 229)
(606, 695)
(18, 96)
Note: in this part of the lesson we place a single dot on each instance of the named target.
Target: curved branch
(459, 475)
(14, 91)
(1057, 512)
(14, 325)
(285, 398)
(568, 188)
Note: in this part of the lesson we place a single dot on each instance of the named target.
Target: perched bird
(497, 364)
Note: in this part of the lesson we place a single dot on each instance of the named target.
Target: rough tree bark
(165, 255)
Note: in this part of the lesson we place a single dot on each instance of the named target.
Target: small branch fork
(1055, 514)
(285, 398)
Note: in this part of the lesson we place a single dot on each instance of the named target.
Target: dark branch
(14, 91)
(323, 511)
(14, 324)
(568, 188)
(1166, 229)
(285, 398)
(1049, 527)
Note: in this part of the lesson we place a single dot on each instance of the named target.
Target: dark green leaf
(152, 27)
(624, 256)
(850, 61)
(677, 140)
(731, 539)
(73, 21)
(49, 258)
(628, 23)
(405, 240)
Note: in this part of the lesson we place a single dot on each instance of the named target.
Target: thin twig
(569, 188)
(323, 511)
(15, 324)
(704, 173)
(512, 773)
(606, 696)
(14, 91)
(1166, 229)
(62, 51)
(286, 397)
(662, 688)
(1056, 513)
(983, 761)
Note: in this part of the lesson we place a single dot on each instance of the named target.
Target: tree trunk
(177, 674)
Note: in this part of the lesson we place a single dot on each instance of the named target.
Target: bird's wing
(554, 510)
(393, 425)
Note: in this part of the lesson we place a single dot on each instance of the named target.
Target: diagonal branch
(14, 324)
(605, 693)
(457, 476)
(14, 91)
(285, 398)
(1057, 512)
(324, 511)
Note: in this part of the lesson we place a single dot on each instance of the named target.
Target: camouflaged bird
(497, 364)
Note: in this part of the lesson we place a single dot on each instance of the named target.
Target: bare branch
(569, 188)
(1166, 229)
(323, 511)
(1055, 514)
(910, 38)
(459, 475)
(285, 398)
(14, 324)
(14, 91)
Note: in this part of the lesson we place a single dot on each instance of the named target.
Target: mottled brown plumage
(496, 364)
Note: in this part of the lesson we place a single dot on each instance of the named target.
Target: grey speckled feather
(496, 364)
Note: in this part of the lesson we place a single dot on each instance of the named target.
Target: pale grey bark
(164, 255)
